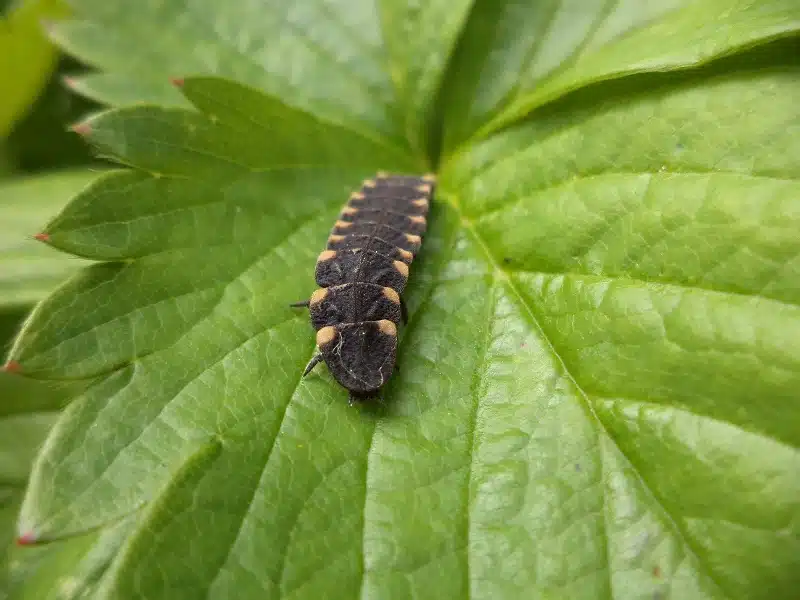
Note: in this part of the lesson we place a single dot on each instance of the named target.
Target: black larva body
(361, 274)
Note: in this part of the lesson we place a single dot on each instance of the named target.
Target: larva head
(360, 356)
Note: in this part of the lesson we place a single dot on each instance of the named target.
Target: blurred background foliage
(41, 164)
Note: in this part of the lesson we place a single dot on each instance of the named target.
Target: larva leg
(312, 363)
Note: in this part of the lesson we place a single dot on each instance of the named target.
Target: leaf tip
(42, 237)
(27, 539)
(657, 572)
(177, 81)
(82, 129)
(12, 366)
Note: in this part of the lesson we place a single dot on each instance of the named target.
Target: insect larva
(362, 273)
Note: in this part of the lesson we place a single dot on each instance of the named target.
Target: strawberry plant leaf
(662, 272)
(518, 56)
(595, 388)
(372, 66)
(419, 37)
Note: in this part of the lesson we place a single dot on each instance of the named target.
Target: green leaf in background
(363, 64)
(30, 270)
(597, 387)
(42, 141)
(516, 56)
(26, 56)
(20, 438)
(419, 37)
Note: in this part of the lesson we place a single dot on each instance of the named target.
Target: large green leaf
(597, 388)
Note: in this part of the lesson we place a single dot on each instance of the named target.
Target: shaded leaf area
(516, 56)
(22, 431)
(419, 38)
(18, 445)
(370, 65)
(63, 570)
(595, 392)
(70, 569)
(30, 269)
(41, 141)
(20, 396)
(28, 409)
(26, 56)
(20, 437)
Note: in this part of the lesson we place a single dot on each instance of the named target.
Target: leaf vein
(413, 321)
(475, 392)
(318, 120)
(188, 382)
(257, 487)
(663, 283)
(317, 49)
(598, 423)
(589, 176)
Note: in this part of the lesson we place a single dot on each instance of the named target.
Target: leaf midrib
(600, 427)
(257, 487)
(475, 385)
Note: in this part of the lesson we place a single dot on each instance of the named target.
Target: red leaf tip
(82, 129)
(12, 366)
(26, 539)
(42, 237)
(177, 81)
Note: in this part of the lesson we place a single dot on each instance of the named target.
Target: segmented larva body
(362, 273)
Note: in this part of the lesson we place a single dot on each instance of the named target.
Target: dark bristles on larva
(362, 272)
